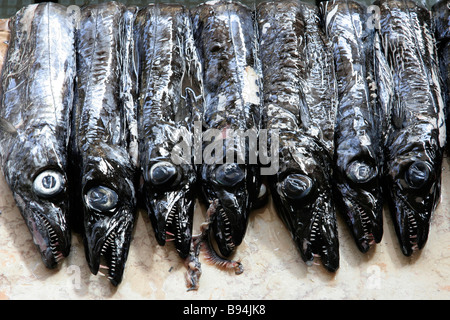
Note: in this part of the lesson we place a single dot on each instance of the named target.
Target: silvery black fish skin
(300, 100)
(224, 32)
(170, 99)
(416, 135)
(359, 131)
(441, 14)
(104, 169)
(37, 84)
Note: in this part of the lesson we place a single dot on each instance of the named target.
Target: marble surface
(273, 267)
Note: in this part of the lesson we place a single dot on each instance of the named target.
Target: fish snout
(107, 252)
(51, 233)
(364, 216)
(412, 229)
(108, 224)
(229, 226)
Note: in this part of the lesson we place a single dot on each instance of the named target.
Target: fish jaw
(171, 214)
(47, 224)
(234, 204)
(364, 217)
(107, 242)
(49, 229)
(412, 219)
(411, 228)
(230, 222)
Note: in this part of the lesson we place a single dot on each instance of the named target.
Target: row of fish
(114, 107)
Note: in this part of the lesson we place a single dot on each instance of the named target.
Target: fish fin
(6, 126)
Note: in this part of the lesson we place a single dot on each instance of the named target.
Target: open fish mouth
(172, 225)
(109, 254)
(225, 231)
(172, 221)
(411, 231)
(320, 243)
(108, 257)
(365, 227)
(54, 246)
(224, 220)
(178, 231)
(367, 239)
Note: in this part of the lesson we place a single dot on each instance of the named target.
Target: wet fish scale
(224, 34)
(102, 164)
(359, 132)
(300, 100)
(417, 135)
(170, 100)
(37, 85)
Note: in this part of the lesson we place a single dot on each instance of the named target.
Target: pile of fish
(331, 108)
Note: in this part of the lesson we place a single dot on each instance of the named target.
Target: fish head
(109, 203)
(170, 199)
(233, 185)
(301, 192)
(414, 182)
(358, 188)
(35, 171)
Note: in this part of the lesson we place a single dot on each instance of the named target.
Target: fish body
(170, 101)
(300, 101)
(416, 134)
(359, 126)
(224, 33)
(37, 85)
(441, 14)
(104, 170)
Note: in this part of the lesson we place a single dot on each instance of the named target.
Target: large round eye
(163, 173)
(229, 174)
(417, 174)
(360, 172)
(101, 198)
(49, 183)
(296, 186)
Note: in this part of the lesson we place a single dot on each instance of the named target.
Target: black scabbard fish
(169, 103)
(103, 164)
(300, 101)
(225, 34)
(359, 125)
(416, 135)
(441, 14)
(37, 84)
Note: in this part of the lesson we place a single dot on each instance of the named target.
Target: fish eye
(361, 172)
(417, 174)
(101, 199)
(229, 174)
(163, 173)
(49, 183)
(296, 186)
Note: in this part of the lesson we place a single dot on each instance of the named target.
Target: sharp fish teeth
(227, 231)
(172, 221)
(110, 244)
(365, 221)
(412, 228)
(53, 238)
